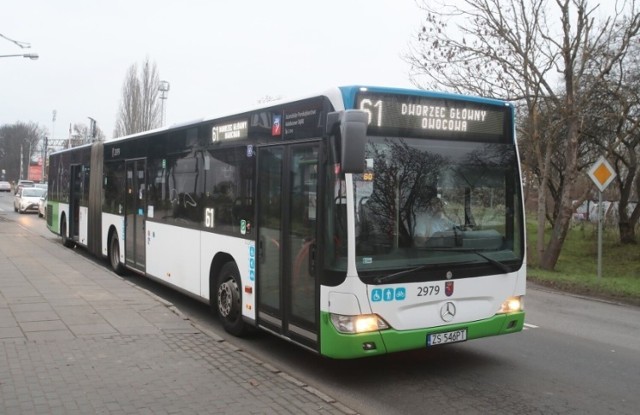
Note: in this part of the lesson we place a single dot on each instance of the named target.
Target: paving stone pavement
(76, 339)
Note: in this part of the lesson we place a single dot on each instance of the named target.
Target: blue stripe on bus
(349, 95)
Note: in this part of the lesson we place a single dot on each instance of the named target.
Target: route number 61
(208, 217)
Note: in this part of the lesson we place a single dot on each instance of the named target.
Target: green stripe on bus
(54, 220)
(347, 346)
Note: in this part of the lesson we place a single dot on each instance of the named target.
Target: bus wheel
(114, 255)
(63, 232)
(230, 300)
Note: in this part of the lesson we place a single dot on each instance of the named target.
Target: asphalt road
(576, 355)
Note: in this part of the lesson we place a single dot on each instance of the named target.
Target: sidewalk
(77, 339)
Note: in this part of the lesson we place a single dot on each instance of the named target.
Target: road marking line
(530, 326)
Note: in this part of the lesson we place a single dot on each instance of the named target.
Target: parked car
(41, 185)
(27, 199)
(5, 186)
(42, 206)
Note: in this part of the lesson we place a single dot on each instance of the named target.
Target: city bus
(356, 222)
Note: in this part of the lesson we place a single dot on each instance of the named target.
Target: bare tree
(18, 142)
(140, 106)
(536, 56)
(82, 134)
(616, 131)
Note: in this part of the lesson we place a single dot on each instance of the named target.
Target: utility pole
(53, 124)
(44, 159)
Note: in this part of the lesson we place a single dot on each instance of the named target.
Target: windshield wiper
(396, 275)
(391, 277)
(501, 266)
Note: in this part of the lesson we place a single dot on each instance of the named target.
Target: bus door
(75, 196)
(286, 280)
(135, 212)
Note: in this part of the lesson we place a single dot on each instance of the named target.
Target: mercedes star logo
(448, 311)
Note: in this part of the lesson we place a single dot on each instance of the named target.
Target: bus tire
(63, 233)
(114, 254)
(229, 300)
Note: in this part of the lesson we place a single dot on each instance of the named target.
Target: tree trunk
(626, 223)
(542, 217)
(627, 232)
(544, 158)
(558, 235)
(561, 226)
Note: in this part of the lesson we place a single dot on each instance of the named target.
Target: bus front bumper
(338, 345)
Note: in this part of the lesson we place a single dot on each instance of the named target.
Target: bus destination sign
(230, 131)
(433, 117)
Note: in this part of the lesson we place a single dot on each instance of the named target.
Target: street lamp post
(32, 56)
(22, 45)
(92, 129)
(164, 92)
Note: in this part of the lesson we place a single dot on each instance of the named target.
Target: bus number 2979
(428, 290)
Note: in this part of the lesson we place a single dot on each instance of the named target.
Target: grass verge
(577, 268)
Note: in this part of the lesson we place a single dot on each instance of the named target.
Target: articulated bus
(356, 222)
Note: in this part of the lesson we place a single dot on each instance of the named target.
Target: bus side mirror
(350, 128)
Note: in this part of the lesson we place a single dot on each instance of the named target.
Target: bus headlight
(512, 304)
(358, 324)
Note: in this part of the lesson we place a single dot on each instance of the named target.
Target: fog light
(358, 324)
(512, 304)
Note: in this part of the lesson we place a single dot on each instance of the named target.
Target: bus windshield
(436, 202)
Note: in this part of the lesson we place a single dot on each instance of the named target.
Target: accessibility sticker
(388, 294)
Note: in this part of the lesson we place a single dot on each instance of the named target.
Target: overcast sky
(218, 56)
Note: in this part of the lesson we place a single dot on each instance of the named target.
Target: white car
(27, 199)
(5, 186)
(42, 206)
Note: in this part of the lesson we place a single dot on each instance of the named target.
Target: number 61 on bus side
(208, 217)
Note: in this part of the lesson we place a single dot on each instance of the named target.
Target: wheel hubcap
(227, 298)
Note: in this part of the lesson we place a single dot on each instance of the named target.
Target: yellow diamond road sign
(602, 173)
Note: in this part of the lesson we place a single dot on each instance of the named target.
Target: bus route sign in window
(232, 130)
(432, 117)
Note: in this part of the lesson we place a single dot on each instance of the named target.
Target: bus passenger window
(229, 189)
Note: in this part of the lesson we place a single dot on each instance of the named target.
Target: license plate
(454, 336)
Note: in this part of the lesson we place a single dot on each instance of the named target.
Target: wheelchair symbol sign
(388, 294)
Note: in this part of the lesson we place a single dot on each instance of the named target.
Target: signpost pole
(600, 213)
(602, 175)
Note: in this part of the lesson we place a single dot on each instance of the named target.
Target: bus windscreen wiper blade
(503, 267)
(395, 275)
(494, 262)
